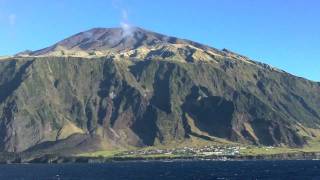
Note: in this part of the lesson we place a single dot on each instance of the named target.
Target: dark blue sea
(247, 170)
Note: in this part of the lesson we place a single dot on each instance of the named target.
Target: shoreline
(59, 159)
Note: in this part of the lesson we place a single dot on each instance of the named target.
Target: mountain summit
(121, 88)
(105, 40)
(131, 42)
(101, 39)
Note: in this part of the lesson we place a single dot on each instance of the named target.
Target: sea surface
(163, 170)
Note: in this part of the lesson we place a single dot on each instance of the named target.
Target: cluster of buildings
(189, 151)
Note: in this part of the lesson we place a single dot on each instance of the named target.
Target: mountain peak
(131, 42)
(115, 39)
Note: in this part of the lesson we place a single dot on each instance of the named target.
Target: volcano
(109, 88)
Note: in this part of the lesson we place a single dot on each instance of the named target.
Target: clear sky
(282, 33)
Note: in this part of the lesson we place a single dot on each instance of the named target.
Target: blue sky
(282, 33)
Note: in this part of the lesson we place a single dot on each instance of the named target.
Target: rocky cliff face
(104, 88)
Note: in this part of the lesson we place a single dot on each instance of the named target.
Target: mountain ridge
(117, 39)
(108, 41)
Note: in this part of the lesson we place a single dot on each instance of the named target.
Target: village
(188, 151)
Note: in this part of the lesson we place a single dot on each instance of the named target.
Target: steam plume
(126, 26)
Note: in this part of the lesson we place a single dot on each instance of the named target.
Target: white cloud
(127, 29)
(125, 24)
(12, 18)
(125, 15)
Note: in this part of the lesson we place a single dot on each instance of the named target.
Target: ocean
(154, 170)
